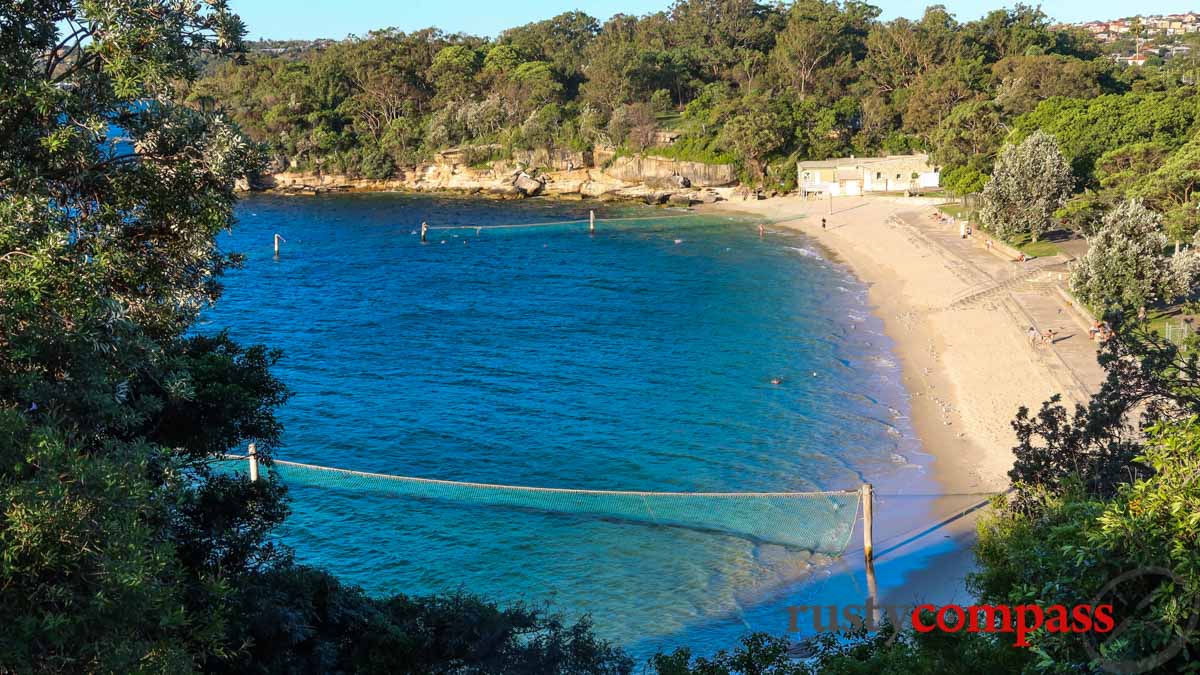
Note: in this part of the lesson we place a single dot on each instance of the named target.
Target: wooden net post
(868, 498)
(253, 456)
(424, 231)
(592, 222)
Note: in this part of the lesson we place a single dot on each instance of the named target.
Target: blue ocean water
(637, 358)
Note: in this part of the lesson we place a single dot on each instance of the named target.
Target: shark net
(821, 522)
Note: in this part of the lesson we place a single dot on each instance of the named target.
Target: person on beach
(822, 223)
(1048, 338)
(1033, 335)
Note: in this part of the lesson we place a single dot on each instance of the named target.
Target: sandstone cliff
(559, 173)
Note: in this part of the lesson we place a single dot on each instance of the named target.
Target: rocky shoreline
(597, 174)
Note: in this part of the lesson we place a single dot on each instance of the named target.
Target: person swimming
(776, 380)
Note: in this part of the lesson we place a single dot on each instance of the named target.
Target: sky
(307, 19)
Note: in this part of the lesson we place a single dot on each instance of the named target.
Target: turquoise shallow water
(639, 358)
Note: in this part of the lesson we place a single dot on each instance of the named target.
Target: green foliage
(1068, 549)
(1031, 182)
(87, 581)
(970, 135)
(840, 81)
(964, 180)
(694, 149)
(300, 619)
(1086, 129)
(661, 101)
(893, 652)
(122, 549)
(756, 653)
(753, 136)
(1126, 264)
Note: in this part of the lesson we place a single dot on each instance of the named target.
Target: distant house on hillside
(859, 175)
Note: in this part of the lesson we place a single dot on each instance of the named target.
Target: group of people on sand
(1101, 332)
(1045, 337)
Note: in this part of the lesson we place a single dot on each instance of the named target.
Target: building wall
(850, 176)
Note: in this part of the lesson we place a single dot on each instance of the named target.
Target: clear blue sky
(339, 18)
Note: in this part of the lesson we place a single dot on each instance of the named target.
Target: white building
(848, 176)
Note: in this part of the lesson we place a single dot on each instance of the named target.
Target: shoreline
(966, 371)
(966, 367)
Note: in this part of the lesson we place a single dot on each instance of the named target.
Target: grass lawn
(1159, 318)
(1035, 249)
(954, 210)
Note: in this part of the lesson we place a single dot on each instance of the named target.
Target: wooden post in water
(868, 498)
(424, 230)
(591, 222)
(253, 453)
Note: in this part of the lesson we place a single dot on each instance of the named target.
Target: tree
(754, 135)
(821, 41)
(1174, 187)
(122, 547)
(561, 40)
(1012, 32)
(453, 74)
(1030, 182)
(121, 544)
(1026, 81)
(1126, 263)
(901, 51)
(970, 135)
(964, 180)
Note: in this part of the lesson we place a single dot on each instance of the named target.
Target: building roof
(851, 162)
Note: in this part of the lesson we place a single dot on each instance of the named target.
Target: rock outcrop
(528, 185)
(563, 175)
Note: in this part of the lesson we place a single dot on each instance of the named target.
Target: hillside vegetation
(760, 84)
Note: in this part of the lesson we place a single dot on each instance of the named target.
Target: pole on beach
(868, 501)
(831, 202)
(253, 456)
(868, 498)
(424, 230)
(591, 222)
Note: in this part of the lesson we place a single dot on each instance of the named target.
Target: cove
(637, 358)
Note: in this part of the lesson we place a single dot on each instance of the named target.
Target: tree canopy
(840, 81)
(123, 546)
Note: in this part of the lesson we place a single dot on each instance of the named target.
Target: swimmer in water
(776, 380)
(761, 231)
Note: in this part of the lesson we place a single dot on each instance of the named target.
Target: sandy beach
(968, 369)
